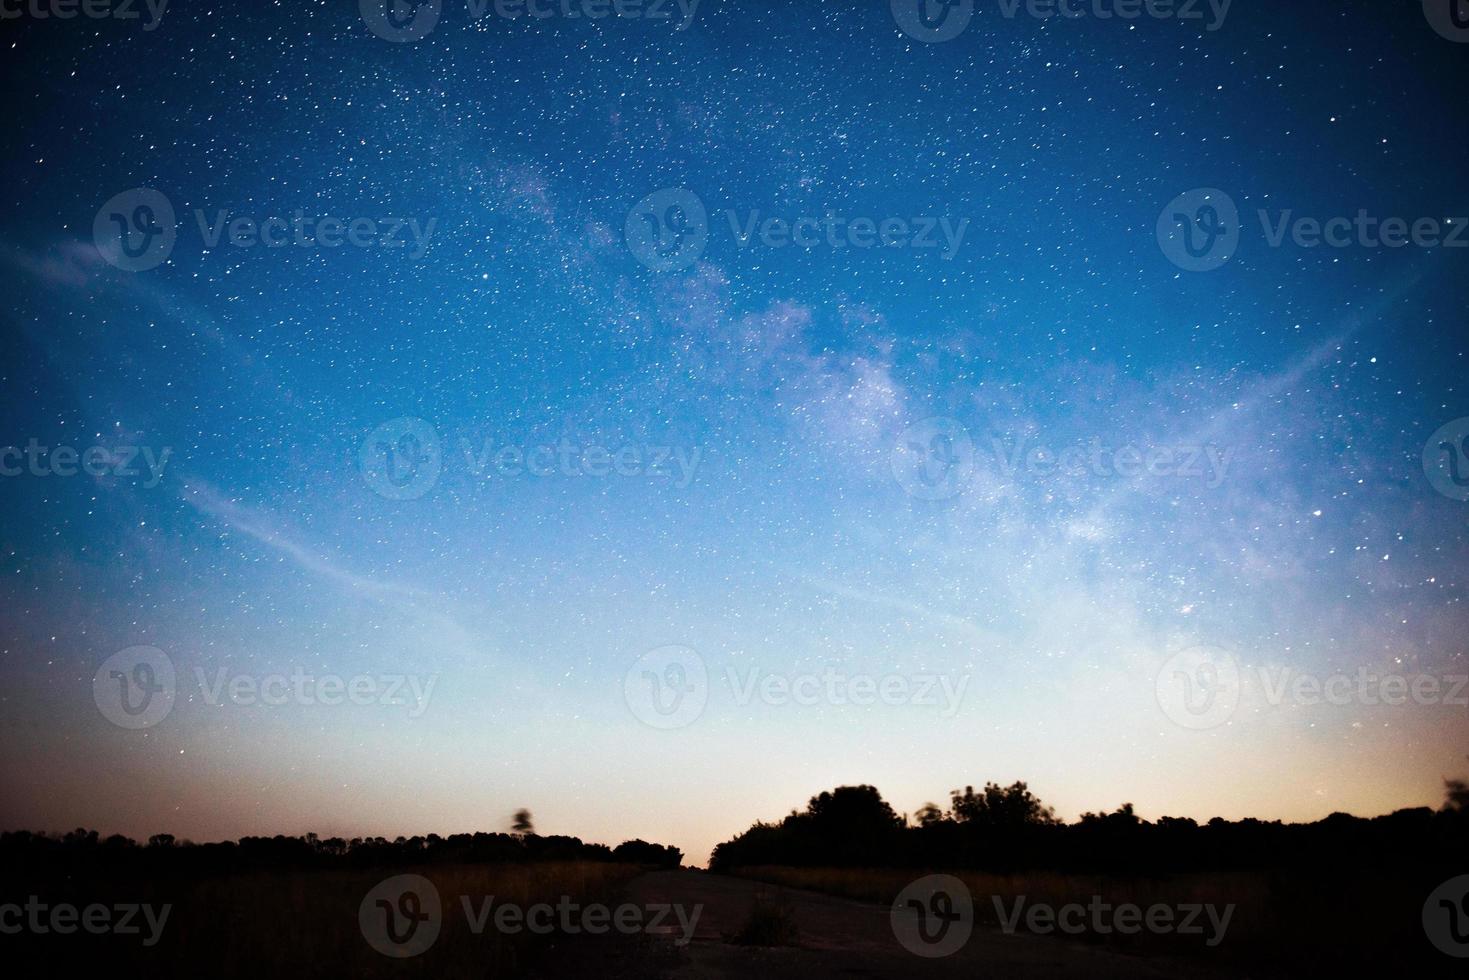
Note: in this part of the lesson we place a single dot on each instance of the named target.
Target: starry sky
(799, 535)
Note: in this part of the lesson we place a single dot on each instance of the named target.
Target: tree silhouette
(1008, 830)
(929, 815)
(520, 823)
(1456, 792)
(1001, 807)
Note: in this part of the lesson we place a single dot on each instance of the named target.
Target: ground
(838, 938)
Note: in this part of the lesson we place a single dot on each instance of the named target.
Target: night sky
(576, 411)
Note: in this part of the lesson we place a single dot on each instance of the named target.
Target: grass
(305, 924)
(771, 922)
(1298, 921)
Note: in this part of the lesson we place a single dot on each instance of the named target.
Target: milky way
(655, 420)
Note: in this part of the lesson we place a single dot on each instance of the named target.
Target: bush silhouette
(1009, 829)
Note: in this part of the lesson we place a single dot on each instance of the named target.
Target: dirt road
(837, 938)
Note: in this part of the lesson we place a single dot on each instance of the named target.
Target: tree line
(86, 851)
(1006, 829)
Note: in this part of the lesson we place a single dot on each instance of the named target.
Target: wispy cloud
(265, 528)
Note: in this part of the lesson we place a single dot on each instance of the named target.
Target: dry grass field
(1295, 922)
(305, 924)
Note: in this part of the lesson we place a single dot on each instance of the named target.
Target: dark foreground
(836, 938)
